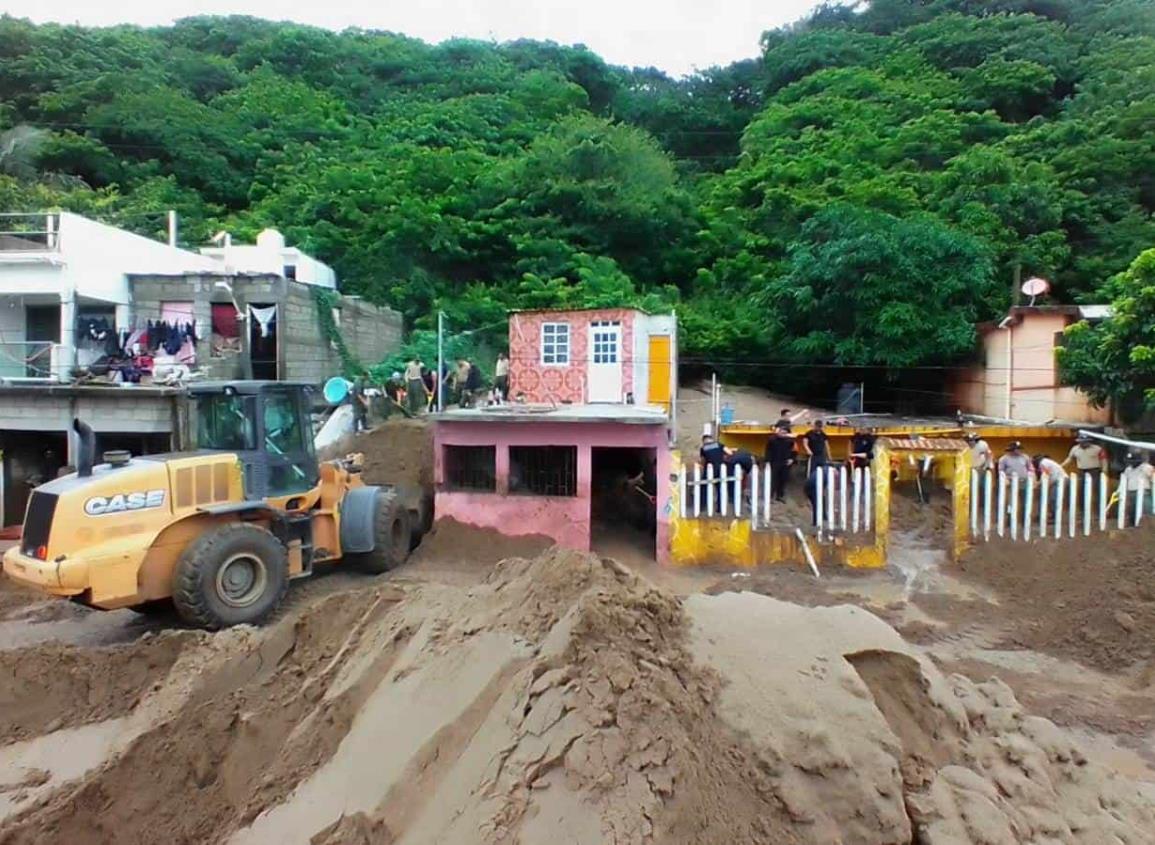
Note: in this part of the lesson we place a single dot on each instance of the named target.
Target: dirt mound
(1091, 599)
(870, 744)
(563, 698)
(49, 687)
(399, 451)
(15, 599)
(461, 545)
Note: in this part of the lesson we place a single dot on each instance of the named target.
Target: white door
(605, 363)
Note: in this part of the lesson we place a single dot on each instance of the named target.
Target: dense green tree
(885, 167)
(868, 288)
(1114, 360)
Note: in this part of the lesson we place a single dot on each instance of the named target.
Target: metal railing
(29, 232)
(34, 359)
(845, 496)
(1019, 508)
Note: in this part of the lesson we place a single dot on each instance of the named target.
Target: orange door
(658, 392)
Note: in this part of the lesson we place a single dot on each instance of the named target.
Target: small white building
(59, 270)
(269, 255)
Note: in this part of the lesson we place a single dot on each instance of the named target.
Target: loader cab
(267, 424)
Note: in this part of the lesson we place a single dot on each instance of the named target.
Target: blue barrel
(727, 415)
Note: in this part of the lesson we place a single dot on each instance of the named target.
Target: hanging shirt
(265, 318)
(224, 317)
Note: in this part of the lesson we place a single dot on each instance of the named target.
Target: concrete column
(664, 482)
(123, 317)
(501, 468)
(67, 332)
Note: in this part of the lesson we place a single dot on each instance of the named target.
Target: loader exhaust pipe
(86, 454)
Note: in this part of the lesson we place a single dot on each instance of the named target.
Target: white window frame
(556, 328)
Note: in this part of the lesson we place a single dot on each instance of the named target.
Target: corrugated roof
(924, 444)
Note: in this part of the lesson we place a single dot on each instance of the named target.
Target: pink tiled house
(603, 355)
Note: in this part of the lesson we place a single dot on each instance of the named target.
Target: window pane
(543, 470)
(471, 468)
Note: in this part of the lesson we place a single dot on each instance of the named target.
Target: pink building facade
(524, 472)
(1019, 376)
(600, 355)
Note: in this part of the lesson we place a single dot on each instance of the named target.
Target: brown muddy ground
(554, 698)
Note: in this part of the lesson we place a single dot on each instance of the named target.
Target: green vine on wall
(326, 300)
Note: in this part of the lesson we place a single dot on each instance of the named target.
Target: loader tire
(233, 574)
(391, 536)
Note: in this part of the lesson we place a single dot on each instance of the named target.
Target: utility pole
(1017, 283)
(440, 358)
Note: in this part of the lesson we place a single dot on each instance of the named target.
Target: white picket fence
(847, 496)
(1019, 508)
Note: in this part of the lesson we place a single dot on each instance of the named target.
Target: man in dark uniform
(862, 448)
(780, 458)
(360, 398)
(816, 446)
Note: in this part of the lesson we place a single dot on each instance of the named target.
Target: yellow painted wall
(733, 542)
(660, 356)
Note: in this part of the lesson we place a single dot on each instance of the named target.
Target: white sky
(674, 35)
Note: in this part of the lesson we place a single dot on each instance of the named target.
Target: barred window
(543, 470)
(471, 468)
(555, 343)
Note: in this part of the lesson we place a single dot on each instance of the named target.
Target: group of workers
(784, 450)
(1087, 457)
(415, 389)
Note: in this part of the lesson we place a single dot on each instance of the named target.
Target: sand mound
(15, 599)
(563, 699)
(1091, 599)
(399, 451)
(466, 546)
(870, 744)
(48, 687)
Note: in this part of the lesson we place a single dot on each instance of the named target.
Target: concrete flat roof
(627, 414)
(111, 391)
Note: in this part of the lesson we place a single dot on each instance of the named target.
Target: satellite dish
(1035, 287)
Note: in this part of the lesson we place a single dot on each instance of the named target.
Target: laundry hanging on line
(265, 318)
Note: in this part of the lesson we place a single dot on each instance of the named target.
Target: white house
(270, 255)
(58, 270)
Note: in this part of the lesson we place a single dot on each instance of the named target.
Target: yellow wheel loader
(220, 530)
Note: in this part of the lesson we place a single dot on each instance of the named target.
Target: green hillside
(860, 196)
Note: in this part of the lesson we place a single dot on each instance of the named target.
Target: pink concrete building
(599, 355)
(1019, 376)
(582, 455)
(560, 472)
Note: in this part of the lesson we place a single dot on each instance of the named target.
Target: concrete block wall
(108, 410)
(370, 332)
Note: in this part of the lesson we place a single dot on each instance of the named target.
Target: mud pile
(459, 545)
(399, 451)
(1091, 599)
(561, 700)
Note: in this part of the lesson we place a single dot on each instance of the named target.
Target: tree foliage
(1114, 360)
(880, 174)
